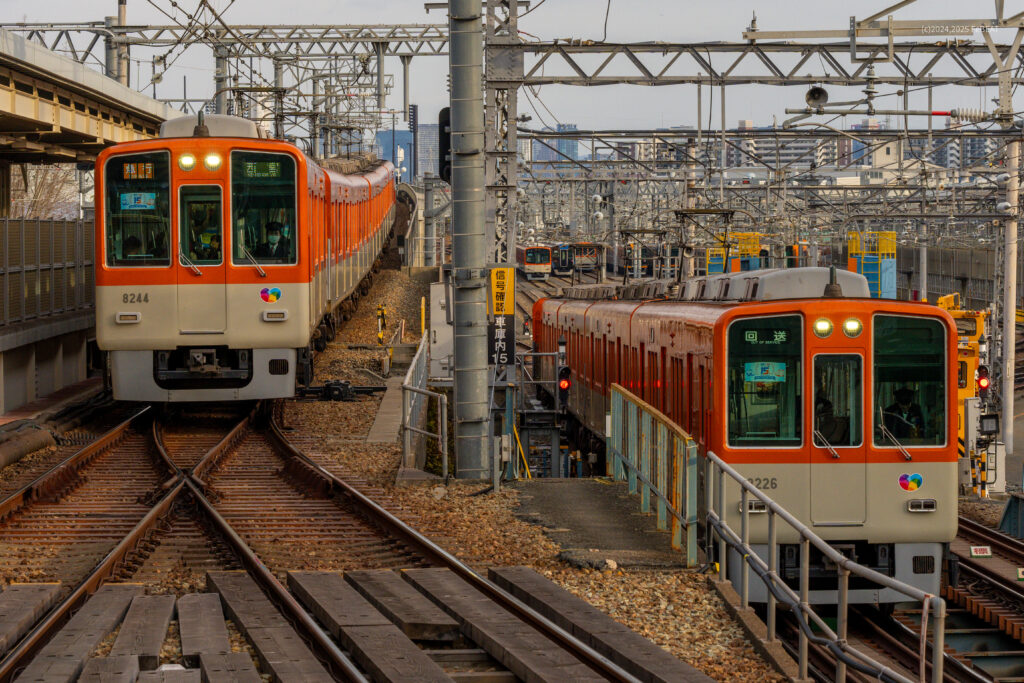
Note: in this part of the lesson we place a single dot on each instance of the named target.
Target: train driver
(904, 417)
(275, 246)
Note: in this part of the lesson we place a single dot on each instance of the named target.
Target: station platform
(51, 403)
(597, 520)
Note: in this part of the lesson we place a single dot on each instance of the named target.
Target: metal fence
(415, 396)
(659, 460)
(46, 268)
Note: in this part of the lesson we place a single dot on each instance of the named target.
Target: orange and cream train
(223, 258)
(841, 408)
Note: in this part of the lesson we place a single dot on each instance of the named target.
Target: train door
(202, 275)
(838, 452)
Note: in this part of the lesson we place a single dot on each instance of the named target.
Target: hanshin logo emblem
(270, 294)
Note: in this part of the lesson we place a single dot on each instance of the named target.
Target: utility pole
(220, 80)
(122, 48)
(469, 243)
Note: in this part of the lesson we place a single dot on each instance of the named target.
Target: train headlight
(823, 327)
(852, 327)
(211, 161)
(186, 162)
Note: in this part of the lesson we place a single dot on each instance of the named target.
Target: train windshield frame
(765, 366)
(137, 209)
(910, 377)
(264, 201)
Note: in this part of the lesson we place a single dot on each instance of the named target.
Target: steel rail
(59, 472)
(438, 555)
(43, 630)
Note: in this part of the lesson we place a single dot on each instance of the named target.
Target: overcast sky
(604, 107)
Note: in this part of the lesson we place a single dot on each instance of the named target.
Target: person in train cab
(159, 246)
(211, 251)
(904, 417)
(132, 247)
(275, 246)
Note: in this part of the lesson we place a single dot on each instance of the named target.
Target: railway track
(235, 494)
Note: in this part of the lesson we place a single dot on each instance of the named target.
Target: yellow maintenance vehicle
(978, 425)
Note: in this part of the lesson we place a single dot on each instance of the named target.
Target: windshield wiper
(187, 262)
(252, 259)
(821, 437)
(892, 437)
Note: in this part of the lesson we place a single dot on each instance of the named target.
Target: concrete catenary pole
(111, 64)
(469, 243)
(220, 80)
(1010, 291)
(122, 48)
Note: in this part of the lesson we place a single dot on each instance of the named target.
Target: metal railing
(46, 268)
(812, 627)
(414, 402)
(659, 460)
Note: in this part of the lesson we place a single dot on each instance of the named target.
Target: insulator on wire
(969, 115)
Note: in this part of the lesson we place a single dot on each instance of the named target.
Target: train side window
(765, 381)
(263, 208)
(961, 375)
(909, 381)
(199, 213)
(137, 209)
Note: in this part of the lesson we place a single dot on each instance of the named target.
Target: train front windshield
(537, 256)
(263, 208)
(765, 381)
(909, 381)
(137, 209)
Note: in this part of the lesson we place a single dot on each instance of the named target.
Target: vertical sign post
(501, 335)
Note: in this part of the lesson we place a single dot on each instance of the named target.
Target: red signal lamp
(983, 382)
(564, 384)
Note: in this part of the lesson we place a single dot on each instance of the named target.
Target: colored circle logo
(270, 294)
(911, 482)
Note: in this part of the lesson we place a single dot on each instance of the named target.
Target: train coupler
(338, 390)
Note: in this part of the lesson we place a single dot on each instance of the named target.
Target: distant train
(224, 258)
(843, 408)
(561, 260)
(533, 262)
(586, 256)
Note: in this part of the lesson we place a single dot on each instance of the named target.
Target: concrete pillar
(405, 86)
(5, 189)
(469, 241)
(220, 79)
(123, 65)
(110, 56)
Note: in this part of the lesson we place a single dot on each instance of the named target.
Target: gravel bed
(677, 610)
(986, 512)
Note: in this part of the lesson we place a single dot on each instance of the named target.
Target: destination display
(262, 169)
(138, 170)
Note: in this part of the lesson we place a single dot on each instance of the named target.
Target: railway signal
(564, 383)
(984, 382)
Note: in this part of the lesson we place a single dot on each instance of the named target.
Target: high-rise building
(570, 147)
(426, 148)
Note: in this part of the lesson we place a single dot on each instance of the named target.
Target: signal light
(564, 382)
(984, 382)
